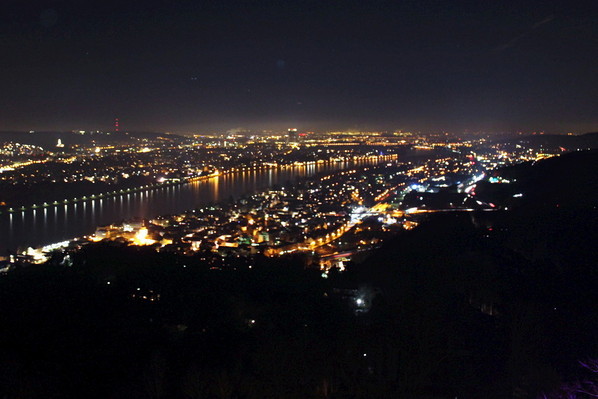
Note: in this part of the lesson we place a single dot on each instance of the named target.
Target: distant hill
(555, 141)
(568, 180)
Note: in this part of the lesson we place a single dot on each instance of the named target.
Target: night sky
(202, 66)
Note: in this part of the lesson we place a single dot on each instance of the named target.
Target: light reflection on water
(61, 222)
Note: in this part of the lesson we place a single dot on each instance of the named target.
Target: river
(42, 226)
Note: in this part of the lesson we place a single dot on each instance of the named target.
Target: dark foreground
(489, 305)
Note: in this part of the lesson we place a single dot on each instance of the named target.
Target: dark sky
(198, 66)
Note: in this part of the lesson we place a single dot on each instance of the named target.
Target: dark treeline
(484, 305)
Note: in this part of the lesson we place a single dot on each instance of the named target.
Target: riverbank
(45, 225)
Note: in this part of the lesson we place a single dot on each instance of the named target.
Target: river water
(53, 224)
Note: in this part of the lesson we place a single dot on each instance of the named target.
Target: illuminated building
(292, 136)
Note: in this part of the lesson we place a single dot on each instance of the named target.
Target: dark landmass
(553, 142)
(566, 181)
(50, 192)
(473, 305)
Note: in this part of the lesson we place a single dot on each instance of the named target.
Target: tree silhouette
(154, 376)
